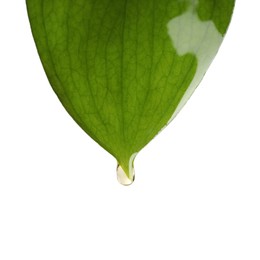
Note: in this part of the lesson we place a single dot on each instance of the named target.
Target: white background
(197, 189)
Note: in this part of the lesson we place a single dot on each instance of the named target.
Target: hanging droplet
(123, 178)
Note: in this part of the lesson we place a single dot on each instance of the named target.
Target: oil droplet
(122, 176)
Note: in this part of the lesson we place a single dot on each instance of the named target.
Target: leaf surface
(124, 68)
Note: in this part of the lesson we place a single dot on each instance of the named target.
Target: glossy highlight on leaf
(124, 68)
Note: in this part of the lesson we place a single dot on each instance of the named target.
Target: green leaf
(124, 68)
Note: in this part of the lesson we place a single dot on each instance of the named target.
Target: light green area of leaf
(124, 68)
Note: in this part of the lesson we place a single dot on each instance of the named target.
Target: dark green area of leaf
(219, 11)
(113, 65)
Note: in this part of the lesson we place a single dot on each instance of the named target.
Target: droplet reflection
(123, 178)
